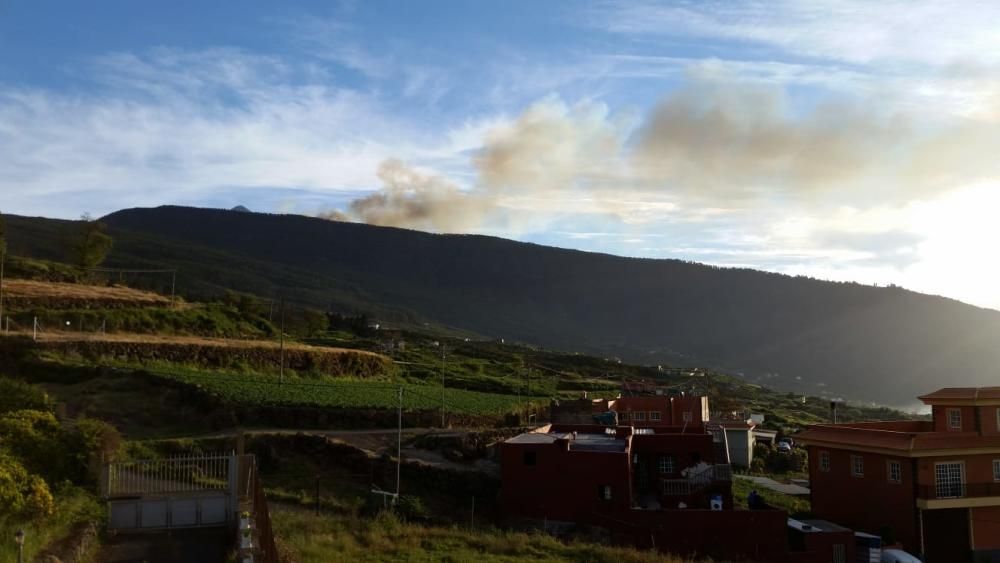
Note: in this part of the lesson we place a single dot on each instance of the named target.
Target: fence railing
(958, 490)
(180, 474)
(696, 482)
(266, 548)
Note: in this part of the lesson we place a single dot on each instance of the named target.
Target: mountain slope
(860, 342)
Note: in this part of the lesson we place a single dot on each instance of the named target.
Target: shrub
(21, 493)
(17, 395)
(35, 438)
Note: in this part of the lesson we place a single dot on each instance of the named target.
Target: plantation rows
(256, 390)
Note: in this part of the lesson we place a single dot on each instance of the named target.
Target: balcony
(697, 482)
(958, 495)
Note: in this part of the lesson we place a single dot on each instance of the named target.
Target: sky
(836, 139)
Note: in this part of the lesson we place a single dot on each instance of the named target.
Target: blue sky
(839, 139)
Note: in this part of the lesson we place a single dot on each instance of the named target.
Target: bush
(54, 451)
(21, 493)
(35, 438)
(17, 395)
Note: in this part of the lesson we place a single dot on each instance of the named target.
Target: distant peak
(241, 209)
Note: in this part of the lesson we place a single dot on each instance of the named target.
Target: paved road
(768, 483)
(205, 545)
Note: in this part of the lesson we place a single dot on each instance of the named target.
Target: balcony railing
(958, 490)
(698, 481)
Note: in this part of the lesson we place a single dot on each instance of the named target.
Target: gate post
(234, 489)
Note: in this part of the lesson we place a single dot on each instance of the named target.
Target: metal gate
(176, 492)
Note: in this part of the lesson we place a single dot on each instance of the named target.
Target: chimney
(833, 411)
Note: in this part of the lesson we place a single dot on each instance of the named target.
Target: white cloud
(935, 32)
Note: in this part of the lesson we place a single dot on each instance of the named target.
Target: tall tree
(92, 244)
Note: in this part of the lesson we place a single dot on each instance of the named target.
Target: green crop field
(343, 393)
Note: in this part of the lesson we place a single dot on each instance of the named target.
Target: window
(604, 492)
(857, 466)
(839, 553)
(639, 416)
(530, 458)
(654, 416)
(895, 472)
(666, 464)
(955, 419)
(949, 479)
(996, 469)
(687, 416)
(998, 420)
(824, 461)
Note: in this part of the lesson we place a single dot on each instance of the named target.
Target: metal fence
(179, 474)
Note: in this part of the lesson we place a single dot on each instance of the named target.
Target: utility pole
(281, 346)
(317, 494)
(442, 383)
(399, 443)
(173, 286)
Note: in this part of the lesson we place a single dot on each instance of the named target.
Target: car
(898, 556)
(784, 447)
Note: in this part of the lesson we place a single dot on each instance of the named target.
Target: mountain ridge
(885, 344)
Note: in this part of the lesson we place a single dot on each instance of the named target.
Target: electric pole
(281, 346)
(442, 383)
(399, 443)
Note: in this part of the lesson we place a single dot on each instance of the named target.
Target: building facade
(933, 486)
(649, 487)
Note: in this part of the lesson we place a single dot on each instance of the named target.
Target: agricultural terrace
(29, 293)
(256, 390)
(216, 353)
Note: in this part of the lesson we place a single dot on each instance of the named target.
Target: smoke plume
(708, 143)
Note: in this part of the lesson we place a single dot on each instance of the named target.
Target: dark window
(529, 458)
(604, 492)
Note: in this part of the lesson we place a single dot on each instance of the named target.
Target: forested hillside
(849, 340)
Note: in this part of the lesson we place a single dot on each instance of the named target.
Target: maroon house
(649, 487)
(932, 485)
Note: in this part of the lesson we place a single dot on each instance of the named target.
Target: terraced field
(344, 393)
(30, 293)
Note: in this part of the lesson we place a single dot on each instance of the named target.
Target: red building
(932, 485)
(655, 487)
(661, 410)
(635, 410)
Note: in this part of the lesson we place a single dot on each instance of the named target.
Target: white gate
(177, 492)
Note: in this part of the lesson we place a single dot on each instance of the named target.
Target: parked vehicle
(898, 556)
(784, 447)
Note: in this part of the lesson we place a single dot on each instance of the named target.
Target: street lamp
(19, 540)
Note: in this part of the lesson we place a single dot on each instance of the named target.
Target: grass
(42, 292)
(797, 507)
(341, 392)
(73, 506)
(321, 539)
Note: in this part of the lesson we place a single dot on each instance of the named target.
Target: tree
(93, 243)
(3, 238)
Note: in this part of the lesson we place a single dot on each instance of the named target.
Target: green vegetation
(92, 244)
(340, 393)
(47, 468)
(309, 538)
(797, 507)
(72, 507)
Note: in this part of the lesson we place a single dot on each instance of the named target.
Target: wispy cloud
(933, 32)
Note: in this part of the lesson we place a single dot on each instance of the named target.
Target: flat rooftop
(578, 441)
